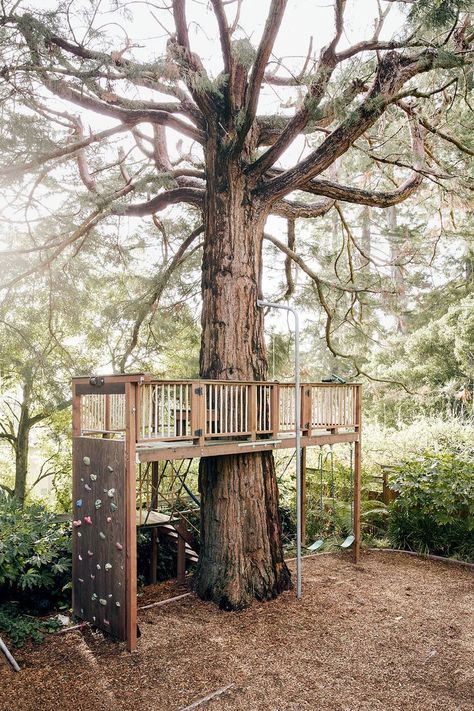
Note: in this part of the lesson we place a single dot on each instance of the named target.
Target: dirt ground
(393, 633)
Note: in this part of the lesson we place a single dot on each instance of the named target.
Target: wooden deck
(179, 419)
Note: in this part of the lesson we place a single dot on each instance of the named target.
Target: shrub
(20, 627)
(434, 512)
(35, 556)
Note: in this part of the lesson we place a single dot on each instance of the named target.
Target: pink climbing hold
(87, 519)
(77, 523)
(109, 519)
(119, 546)
(90, 553)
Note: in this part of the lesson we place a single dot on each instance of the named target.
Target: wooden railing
(203, 410)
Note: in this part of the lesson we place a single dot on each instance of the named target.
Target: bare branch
(16, 171)
(161, 282)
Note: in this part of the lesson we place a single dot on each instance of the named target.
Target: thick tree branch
(393, 71)
(224, 35)
(270, 32)
(192, 196)
(292, 209)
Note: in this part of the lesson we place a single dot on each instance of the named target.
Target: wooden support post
(358, 475)
(306, 414)
(198, 412)
(252, 411)
(154, 555)
(303, 496)
(154, 531)
(76, 413)
(131, 505)
(181, 565)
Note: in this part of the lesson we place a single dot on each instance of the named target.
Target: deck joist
(161, 451)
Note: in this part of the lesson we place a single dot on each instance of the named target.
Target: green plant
(35, 556)
(20, 627)
(434, 512)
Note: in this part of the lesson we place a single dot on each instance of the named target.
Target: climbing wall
(99, 533)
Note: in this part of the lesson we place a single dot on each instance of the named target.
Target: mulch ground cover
(392, 633)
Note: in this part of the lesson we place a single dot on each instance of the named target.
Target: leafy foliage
(435, 509)
(35, 556)
(19, 627)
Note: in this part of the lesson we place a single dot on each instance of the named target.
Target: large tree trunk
(241, 554)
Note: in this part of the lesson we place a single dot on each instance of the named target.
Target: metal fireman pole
(262, 305)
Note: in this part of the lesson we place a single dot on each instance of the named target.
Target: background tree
(234, 166)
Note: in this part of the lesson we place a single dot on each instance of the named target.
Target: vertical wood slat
(275, 409)
(252, 411)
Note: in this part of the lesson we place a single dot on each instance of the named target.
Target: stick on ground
(207, 698)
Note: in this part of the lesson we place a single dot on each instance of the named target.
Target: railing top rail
(147, 379)
(203, 381)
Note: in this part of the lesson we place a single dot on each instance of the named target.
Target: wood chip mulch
(392, 633)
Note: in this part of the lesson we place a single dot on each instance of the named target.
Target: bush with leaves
(20, 627)
(434, 512)
(35, 556)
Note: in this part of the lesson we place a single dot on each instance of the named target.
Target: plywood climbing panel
(99, 534)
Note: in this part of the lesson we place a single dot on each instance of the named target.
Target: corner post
(131, 527)
(357, 474)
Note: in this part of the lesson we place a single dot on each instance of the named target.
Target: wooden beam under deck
(150, 453)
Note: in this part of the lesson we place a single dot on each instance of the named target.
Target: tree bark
(22, 446)
(241, 555)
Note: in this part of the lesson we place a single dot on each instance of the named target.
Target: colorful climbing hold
(87, 519)
(102, 601)
(111, 493)
(98, 503)
(93, 596)
(87, 487)
(90, 553)
(106, 622)
(102, 535)
(79, 503)
(113, 507)
(108, 566)
(93, 477)
(86, 461)
(119, 546)
(109, 519)
(77, 523)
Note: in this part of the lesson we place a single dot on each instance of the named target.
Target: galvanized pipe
(266, 304)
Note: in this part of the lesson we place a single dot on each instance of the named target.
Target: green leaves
(34, 552)
(435, 508)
